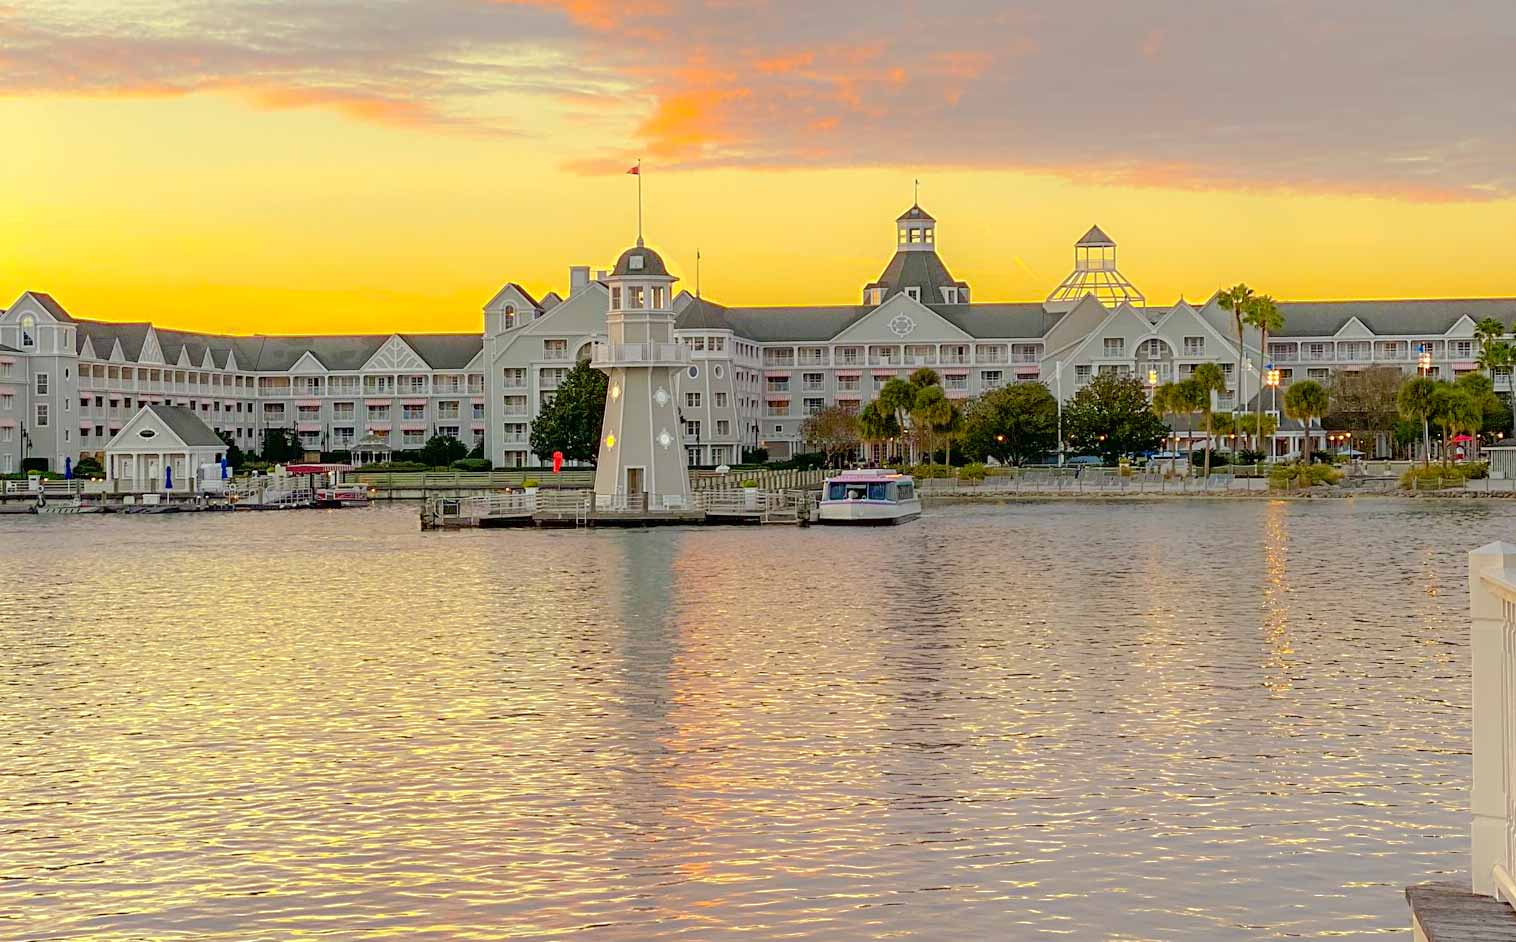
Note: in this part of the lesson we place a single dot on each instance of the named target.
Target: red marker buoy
(557, 461)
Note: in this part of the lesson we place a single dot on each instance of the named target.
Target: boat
(330, 489)
(342, 495)
(868, 497)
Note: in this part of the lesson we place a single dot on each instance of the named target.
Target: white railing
(1492, 605)
(633, 354)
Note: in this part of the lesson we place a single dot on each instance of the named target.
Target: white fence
(1492, 604)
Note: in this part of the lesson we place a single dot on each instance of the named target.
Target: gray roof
(52, 306)
(445, 351)
(186, 425)
(1430, 317)
(1095, 237)
(790, 324)
(652, 262)
(1022, 320)
(700, 314)
(917, 269)
(915, 212)
(132, 336)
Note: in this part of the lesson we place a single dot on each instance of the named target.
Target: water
(1120, 720)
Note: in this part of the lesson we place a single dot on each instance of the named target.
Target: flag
(636, 171)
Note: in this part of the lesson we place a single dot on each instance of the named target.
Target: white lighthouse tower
(641, 464)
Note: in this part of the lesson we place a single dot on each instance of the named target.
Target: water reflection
(1161, 720)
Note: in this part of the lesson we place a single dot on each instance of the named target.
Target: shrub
(396, 466)
(749, 482)
(1249, 456)
(923, 471)
(530, 482)
(1321, 457)
(1444, 475)
(755, 455)
(974, 471)
(1300, 476)
(33, 464)
(472, 464)
(88, 468)
(1218, 458)
(1476, 470)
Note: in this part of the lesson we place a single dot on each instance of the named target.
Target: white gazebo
(160, 449)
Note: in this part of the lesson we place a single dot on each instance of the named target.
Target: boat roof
(316, 468)
(858, 475)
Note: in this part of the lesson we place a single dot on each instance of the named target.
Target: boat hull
(867, 513)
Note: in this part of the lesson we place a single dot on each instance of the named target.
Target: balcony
(955, 359)
(608, 355)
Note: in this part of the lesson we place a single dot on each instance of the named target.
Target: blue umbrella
(224, 472)
(168, 477)
(68, 469)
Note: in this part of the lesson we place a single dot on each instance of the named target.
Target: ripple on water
(1138, 721)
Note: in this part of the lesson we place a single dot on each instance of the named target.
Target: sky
(332, 166)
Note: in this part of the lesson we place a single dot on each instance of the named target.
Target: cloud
(1397, 98)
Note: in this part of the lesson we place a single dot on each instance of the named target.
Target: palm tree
(1495, 354)
(1462, 413)
(1264, 314)
(1417, 400)
(1210, 378)
(1189, 397)
(932, 411)
(1239, 300)
(876, 426)
(897, 398)
(1168, 403)
(1306, 400)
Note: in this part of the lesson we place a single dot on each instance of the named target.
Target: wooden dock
(577, 508)
(1447, 912)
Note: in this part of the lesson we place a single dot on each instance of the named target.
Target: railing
(421, 480)
(1492, 605)
(634, 354)
(765, 480)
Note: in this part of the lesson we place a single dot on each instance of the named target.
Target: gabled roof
(51, 306)
(1428, 317)
(700, 314)
(915, 212)
(1011, 321)
(445, 351)
(185, 424)
(132, 337)
(1095, 237)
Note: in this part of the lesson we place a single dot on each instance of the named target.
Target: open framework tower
(641, 464)
(1094, 273)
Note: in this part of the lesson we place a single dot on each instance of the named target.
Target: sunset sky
(375, 165)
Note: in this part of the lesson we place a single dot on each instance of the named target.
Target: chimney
(602, 275)
(579, 277)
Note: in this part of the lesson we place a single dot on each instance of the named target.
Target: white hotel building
(68, 384)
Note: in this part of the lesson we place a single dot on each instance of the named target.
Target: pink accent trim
(777, 373)
(7, 423)
(1465, 365)
(957, 393)
(413, 428)
(413, 402)
(478, 426)
(307, 426)
(84, 424)
(955, 372)
(8, 360)
(885, 372)
(477, 400)
(378, 426)
(307, 402)
(376, 402)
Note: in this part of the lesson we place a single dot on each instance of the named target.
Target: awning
(376, 402)
(413, 428)
(413, 402)
(378, 426)
(7, 423)
(308, 402)
(307, 426)
(886, 372)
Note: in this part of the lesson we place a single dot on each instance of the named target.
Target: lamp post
(1271, 377)
(1058, 395)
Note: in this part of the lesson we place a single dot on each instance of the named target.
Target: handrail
(1505, 886)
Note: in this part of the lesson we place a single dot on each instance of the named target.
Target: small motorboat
(342, 495)
(869, 497)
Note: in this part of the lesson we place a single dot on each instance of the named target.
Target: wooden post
(1492, 650)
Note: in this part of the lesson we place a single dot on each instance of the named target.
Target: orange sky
(373, 189)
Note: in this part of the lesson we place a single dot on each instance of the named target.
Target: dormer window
(905, 235)
(915, 236)
(634, 263)
(913, 293)
(949, 295)
(615, 299)
(634, 294)
(926, 235)
(28, 332)
(509, 316)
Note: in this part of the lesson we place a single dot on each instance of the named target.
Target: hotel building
(67, 384)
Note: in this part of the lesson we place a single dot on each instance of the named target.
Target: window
(692, 431)
(414, 413)
(418, 384)
(813, 406)
(378, 413)
(1194, 346)
(478, 410)
(813, 382)
(41, 415)
(1115, 346)
(723, 428)
(949, 295)
(7, 402)
(451, 431)
(779, 407)
(615, 299)
(1082, 373)
(1462, 349)
(447, 409)
(514, 377)
(913, 293)
(990, 379)
(41, 384)
(692, 400)
(634, 296)
(720, 400)
(28, 328)
(555, 349)
(779, 384)
(847, 383)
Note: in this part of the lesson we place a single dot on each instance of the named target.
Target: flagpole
(639, 202)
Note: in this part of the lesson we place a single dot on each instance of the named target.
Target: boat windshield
(856, 490)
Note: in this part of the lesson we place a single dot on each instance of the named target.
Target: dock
(575, 508)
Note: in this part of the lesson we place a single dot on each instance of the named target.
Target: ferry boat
(867, 497)
(328, 487)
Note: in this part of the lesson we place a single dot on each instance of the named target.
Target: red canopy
(1460, 439)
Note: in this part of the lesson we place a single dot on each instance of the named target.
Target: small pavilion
(161, 448)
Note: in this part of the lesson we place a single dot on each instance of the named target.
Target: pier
(569, 508)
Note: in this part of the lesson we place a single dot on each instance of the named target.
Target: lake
(1161, 720)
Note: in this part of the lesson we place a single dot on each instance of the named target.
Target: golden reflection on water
(1141, 721)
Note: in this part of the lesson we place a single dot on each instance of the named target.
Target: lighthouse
(641, 464)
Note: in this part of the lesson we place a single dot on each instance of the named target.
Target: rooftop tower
(1094, 273)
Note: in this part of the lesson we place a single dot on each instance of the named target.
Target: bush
(805, 461)
(531, 482)
(88, 468)
(923, 471)
(755, 455)
(1321, 457)
(33, 464)
(749, 482)
(1444, 475)
(1218, 458)
(974, 471)
(1300, 476)
(472, 464)
(1249, 456)
(396, 466)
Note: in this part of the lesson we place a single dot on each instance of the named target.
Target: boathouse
(160, 449)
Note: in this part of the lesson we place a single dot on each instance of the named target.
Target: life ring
(41, 501)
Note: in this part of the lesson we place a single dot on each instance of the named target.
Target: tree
(1306, 400)
(1013, 424)
(570, 423)
(234, 455)
(930, 414)
(1459, 412)
(1264, 314)
(1417, 401)
(280, 446)
(440, 451)
(877, 425)
(1238, 299)
(924, 377)
(1363, 400)
(1110, 416)
(1210, 378)
(834, 430)
(898, 398)
(1496, 355)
